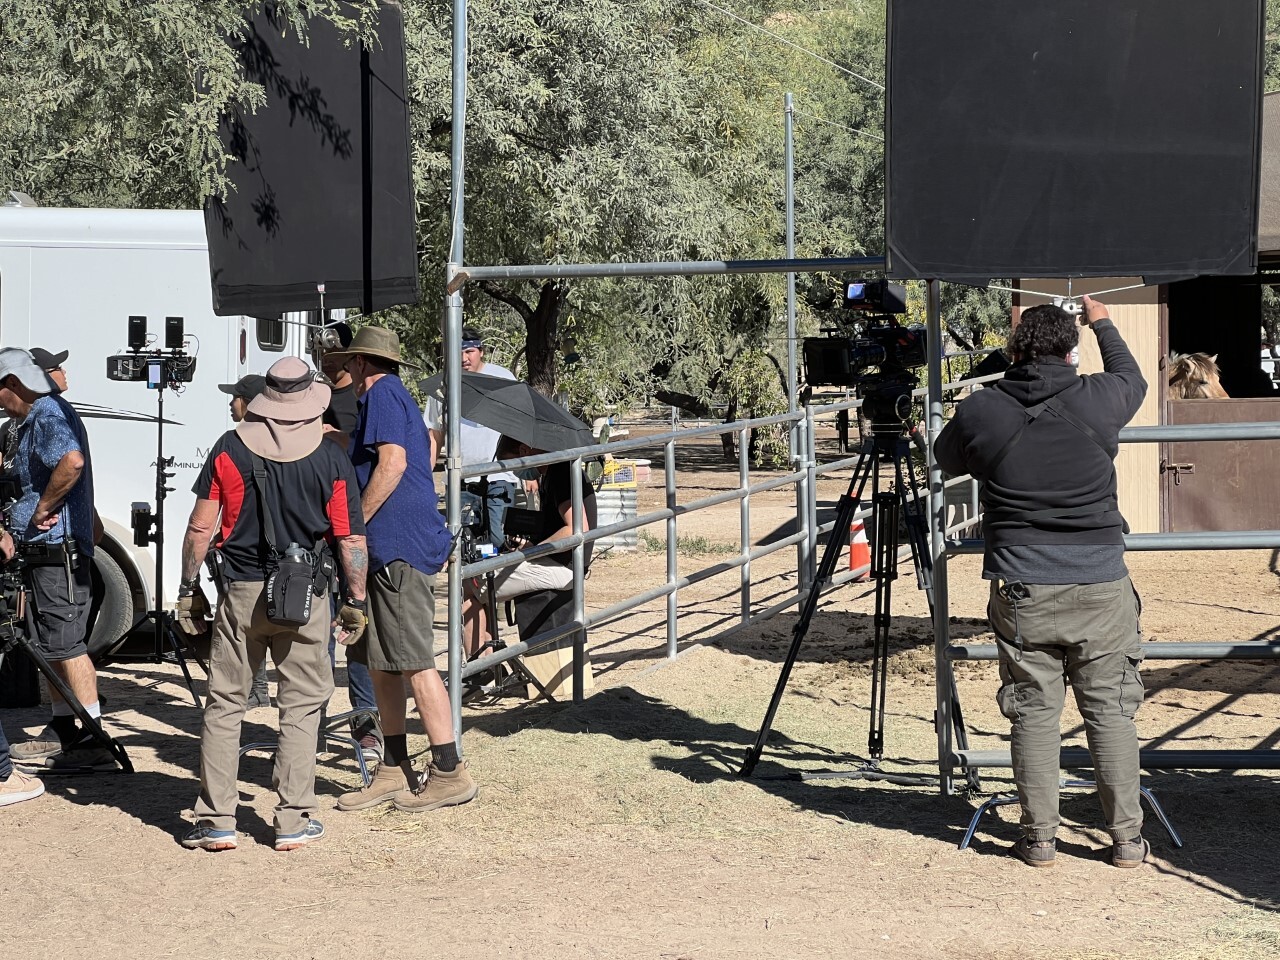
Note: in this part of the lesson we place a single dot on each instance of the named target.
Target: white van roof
(122, 229)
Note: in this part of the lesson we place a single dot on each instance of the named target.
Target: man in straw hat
(408, 546)
(310, 492)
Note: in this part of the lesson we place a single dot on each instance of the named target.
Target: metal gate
(1221, 485)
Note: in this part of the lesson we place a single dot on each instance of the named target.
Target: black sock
(66, 729)
(395, 749)
(445, 757)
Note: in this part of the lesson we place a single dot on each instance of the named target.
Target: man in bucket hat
(277, 455)
(408, 546)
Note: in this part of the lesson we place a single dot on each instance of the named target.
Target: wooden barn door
(1222, 484)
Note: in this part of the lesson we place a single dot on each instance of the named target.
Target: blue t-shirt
(51, 430)
(408, 526)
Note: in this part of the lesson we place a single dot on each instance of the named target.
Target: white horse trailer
(69, 280)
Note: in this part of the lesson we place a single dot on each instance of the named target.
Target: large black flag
(323, 186)
(1072, 138)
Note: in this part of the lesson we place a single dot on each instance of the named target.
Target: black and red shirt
(311, 498)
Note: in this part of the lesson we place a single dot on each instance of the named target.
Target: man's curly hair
(1043, 331)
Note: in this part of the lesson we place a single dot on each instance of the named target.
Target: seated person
(555, 572)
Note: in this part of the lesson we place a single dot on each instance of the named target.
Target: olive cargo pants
(1087, 634)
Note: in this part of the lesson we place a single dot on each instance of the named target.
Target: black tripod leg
(179, 652)
(845, 509)
(884, 570)
(91, 724)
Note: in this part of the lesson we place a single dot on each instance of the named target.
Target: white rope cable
(1067, 296)
(840, 126)
(807, 52)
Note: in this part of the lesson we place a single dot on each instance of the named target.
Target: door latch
(1177, 469)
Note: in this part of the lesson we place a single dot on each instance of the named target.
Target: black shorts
(61, 621)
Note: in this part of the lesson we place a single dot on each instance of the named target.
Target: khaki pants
(242, 635)
(1087, 634)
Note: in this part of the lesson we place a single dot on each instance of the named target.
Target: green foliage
(116, 102)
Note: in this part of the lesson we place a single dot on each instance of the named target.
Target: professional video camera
(159, 368)
(878, 358)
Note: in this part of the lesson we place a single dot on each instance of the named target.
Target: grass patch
(688, 546)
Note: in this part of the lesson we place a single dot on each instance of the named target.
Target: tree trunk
(542, 337)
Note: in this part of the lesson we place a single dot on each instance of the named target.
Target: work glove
(192, 613)
(351, 622)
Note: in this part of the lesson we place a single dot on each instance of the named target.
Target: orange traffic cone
(859, 549)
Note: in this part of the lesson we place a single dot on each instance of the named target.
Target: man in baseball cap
(51, 363)
(242, 393)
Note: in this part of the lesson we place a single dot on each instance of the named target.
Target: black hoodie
(1055, 469)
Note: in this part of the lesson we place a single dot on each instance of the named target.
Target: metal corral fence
(804, 474)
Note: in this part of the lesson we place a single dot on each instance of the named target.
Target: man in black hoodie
(1043, 442)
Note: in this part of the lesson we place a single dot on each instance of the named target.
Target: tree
(116, 103)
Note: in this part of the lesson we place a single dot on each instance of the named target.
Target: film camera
(158, 368)
(878, 359)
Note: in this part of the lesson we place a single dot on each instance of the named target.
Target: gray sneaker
(1036, 853)
(83, 756)
(1128, 854)
(34, 753)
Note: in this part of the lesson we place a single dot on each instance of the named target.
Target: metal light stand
(169, 645)
(888, 508)
(13, 637)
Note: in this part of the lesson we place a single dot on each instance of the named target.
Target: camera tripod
(13, 637)
(168, 644)
(889, 508)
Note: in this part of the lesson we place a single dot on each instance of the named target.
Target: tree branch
(512, 300)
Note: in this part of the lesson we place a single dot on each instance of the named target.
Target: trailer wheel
(111, 612)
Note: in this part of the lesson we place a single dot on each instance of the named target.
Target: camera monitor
(1072, 138)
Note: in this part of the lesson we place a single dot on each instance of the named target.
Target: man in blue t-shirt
(51, 462)
(408, 546)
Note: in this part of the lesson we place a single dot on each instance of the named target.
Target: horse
(1194, 376)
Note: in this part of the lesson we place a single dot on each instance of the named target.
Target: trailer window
(271, 334)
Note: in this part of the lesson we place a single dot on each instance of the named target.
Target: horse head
(1194, 376)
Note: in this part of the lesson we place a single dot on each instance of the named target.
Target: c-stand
(17, 627)
(888, 406)
(168, 645)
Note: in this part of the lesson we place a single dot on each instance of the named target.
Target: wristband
(355, 604)
(188, 587)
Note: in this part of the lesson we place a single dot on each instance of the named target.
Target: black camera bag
(291, 577)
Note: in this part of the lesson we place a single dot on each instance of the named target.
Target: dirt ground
(618, 827)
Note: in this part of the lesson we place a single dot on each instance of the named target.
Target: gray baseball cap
(16, 362)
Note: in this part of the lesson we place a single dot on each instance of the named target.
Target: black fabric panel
(323, 185)
(1072, 138)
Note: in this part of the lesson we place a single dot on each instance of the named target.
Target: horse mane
(1190, 372)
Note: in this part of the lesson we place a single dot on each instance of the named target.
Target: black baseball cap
(47, 361)
(247, 387)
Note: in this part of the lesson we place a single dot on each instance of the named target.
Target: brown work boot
(386, 783)
(439, 789)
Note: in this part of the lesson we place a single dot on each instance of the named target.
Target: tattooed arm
(200, 528)
(355, 564)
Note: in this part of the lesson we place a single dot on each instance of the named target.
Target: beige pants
(242, 635)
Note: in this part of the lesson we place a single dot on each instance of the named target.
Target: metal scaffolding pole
(453, 362)
(937, 538)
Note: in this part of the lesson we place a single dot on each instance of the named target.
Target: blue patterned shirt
(51, 430)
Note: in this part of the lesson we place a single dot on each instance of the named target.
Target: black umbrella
(515, 409)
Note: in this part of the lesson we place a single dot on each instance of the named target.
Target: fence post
(672, 574)
(579, 571)
(811, 481)
(802, 505)
(744, 521)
